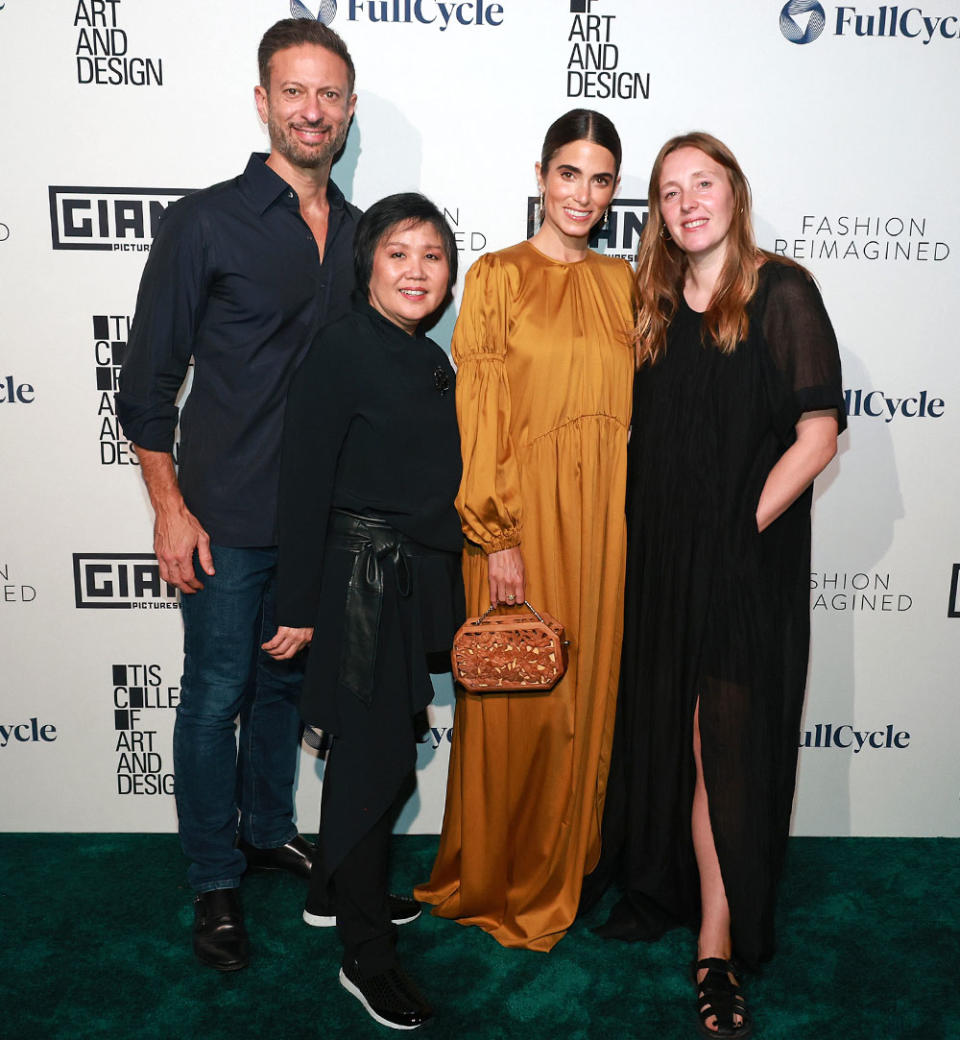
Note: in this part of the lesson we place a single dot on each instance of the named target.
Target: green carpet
(95, 942)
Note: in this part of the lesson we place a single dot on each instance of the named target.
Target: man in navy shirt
(241, 276)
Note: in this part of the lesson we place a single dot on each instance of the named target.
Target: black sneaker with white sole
(403, 910)
(391, 998)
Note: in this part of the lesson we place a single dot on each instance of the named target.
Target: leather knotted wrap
(373, 542)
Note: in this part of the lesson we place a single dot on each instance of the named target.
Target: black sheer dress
(715, 611)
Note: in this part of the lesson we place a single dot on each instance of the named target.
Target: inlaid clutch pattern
(501, 653)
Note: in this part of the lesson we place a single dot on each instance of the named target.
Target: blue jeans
(226, 675)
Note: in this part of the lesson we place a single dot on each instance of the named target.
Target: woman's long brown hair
(662, 265)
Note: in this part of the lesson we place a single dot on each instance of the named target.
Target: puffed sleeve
(489, 497)
(803, 347)
(319, 409)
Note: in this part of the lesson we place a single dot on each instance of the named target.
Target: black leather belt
(372, 541)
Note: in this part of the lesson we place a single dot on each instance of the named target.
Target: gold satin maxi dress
(544, 381)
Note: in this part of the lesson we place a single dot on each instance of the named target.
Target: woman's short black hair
(405, 209)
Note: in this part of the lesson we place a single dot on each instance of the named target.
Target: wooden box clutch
(500, 653)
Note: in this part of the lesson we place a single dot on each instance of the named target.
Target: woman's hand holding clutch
(506, 574)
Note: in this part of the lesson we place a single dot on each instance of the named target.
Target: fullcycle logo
(326, 12)
(4, 232)
(618, 235)
(875, 404)
(441, 14)
(435, 737)
(14, 392)
(953, 606)
(140, 689)
(121, 581)
(844, 736)
(802, 21)
(30, 732)
(123, 220)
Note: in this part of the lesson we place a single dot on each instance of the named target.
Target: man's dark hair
(294, 32)
(401, 210)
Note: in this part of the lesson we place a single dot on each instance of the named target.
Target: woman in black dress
(369, 570)
(737, 407)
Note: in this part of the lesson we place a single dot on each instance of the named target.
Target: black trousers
(357, 891)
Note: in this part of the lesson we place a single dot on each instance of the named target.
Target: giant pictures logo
(803, 21)
(108, 219)
(121, 581)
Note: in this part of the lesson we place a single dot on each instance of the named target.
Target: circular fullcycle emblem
(326, 12)
(802, 21)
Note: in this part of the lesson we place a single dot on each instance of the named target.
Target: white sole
(319, 921)
(351, 988)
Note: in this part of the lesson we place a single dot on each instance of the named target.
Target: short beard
(301, 156)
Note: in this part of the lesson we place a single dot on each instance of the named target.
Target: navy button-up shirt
(234, 279)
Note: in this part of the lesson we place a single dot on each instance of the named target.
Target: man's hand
(288, 642)
(176, 534)
(176, 531)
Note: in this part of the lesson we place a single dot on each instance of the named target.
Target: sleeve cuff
(509, 540)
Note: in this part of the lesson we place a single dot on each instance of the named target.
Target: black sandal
(719, 998)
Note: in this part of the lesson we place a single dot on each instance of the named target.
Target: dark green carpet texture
(95, 942)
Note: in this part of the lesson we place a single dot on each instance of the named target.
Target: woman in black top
(369, 571)
(737, 407)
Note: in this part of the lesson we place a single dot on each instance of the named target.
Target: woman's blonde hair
(662, 265)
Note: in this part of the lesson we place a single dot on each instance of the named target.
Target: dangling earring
(540, 209)
(664, 233)
(606, 217)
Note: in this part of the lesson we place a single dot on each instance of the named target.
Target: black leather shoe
(219, 937)
(296, 856)
(402, 911)
(392, 997)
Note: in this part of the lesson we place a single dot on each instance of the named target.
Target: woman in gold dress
(545, 368)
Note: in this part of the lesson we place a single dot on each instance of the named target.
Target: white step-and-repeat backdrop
(843, 117)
